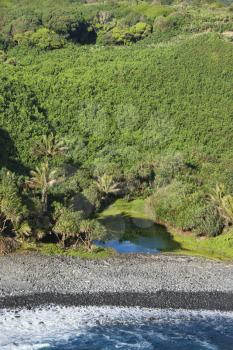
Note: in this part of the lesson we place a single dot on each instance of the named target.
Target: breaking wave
(107, 328)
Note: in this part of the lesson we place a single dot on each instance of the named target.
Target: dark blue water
(107, 328)
(191, 335)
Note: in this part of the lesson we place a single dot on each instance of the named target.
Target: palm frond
(49, 146)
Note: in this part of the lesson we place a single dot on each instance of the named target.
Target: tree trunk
(88, 242)
(44, 200)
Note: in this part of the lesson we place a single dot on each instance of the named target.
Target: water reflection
(136, 235)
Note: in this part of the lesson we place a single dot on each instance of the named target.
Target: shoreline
(152, 281)
(218, 301)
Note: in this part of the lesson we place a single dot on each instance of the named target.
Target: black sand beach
(161, 299)
(158, 281)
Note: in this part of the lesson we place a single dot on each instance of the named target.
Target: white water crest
(43, 327)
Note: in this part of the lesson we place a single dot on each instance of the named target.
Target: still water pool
(142, 244)
(132, 235)
(107, 328)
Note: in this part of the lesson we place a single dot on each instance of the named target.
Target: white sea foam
(37, 329)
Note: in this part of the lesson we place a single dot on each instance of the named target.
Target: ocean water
(102, 328)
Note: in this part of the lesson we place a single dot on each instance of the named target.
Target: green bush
(125, 35)
(140, 30)
(93, 196)
(43, 39)
(152, 11)
(70, 24)
(169, 203)
(72, 228)
(25, 23)
(3, 56)
(67, 224)
(209, 222)
(185, 207)
(216, 5)
(172, 22)
(4, 41)
(170, 167)
(91, 230)
(12, 210)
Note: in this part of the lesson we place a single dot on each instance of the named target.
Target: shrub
(43, 39)
(24, 230)
(93, 196)
(12, 211)
(152, 10)
(25, 23)
(103, 17)
(209, 222)
(122, 35)
(67, 224)
(91, 230)
(72, 228)
(166, 203)
(172, 22)
(8, 245)
(71, 25)
(4, 42)
(171, 167)
(99, 136)
(216, 5)
(81, 203)
(130, 34)
(3, 56)
(140, 31)
(11, 60)
(185, 207)
(223, 202)
(161, 23)
(131, 19)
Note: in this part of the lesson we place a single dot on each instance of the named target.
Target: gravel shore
(153, 280)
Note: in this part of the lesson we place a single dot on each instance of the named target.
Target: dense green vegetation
(116, 99)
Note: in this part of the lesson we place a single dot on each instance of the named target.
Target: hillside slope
(124, 104)
(140, 94)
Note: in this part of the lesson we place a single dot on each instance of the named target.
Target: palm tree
(86, 229)
(223, 202)
(106, 185)
(49, 146)
(218, 194)
(227, 208)
(43, 179)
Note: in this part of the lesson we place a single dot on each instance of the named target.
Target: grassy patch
(152, 11)
(220, 247)
(134, 208)
(53, 249)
